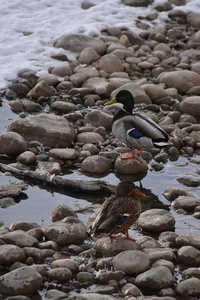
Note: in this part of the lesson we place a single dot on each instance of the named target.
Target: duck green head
(124, 97)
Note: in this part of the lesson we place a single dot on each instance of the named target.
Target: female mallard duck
(136, 130)
(118, 212)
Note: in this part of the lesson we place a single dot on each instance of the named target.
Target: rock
(99, 86)
(137, 3)
(71, 231)
(155, 279)
(25, 226)
(50, 79)
(62, 70)
(21, 89)
(19, 238)
(154, 91)
(55, 294)
(156, 220)
(12, 190)
(147, 242)
(38, 255)
(94, 296)
(111, 63)
(64, 154)
(12, 144)
(61, 275)
(131, 290)
(181, 80)
(172, 193)
(159, 253)
(6, 202)
(189, 239)
(191, 272)
(22, 281)
(105, 276)
(131, 166)
(70, 264)
(186, 202)
(41, 89)
(61, 211)
(138, 93)
(189, 255)
(109, 247)
(131, 261)
(96, 164)
(98, 118)
(165, 263)
(190, 105)
(89, 137)
(86, 278)
(189, 179)
(10, 254)
(193, 19)
(49, 167)
(188, 287)
(63, 106)
(48, 129)
(23, 105)
(88, 56)
(27, 158)
(76, 43)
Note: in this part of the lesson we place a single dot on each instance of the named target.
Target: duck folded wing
(138, 125)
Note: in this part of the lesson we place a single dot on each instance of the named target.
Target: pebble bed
(64, 124)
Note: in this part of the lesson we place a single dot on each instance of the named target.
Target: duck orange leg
(131, 155)
(128, 237)
(113, 236)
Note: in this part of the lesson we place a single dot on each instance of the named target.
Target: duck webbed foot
(113, 236)
(128, 237)
(132, 154)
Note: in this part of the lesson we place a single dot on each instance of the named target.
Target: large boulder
(76, 43)
(48, 129)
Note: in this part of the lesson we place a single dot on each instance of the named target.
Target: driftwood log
(87, 186)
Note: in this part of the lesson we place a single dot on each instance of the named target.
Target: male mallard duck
(118, 212)
(136, 130)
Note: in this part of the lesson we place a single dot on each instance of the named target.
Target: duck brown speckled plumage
(118, 212)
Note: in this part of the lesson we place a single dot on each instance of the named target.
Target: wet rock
(106, 247)
(6, 202)
(189, 255)
(70, 264)
(155, 279)
(12, 190)
(188, 287)
(19, 238)
(132, 261)
(89, 137)
(49, 167)
(24, 280)
(50, 79)
(27, 158)
(105, 276)
(99, 118)
(10, 254)
(156, 220)
(22, 225)
(25, 105)
(12, 144)
(61, 211)
(48, 129)
(186, 202)
(41, 89)
(189, 239)
(137, 3)
(60, 274)
(190, 105)
(193, 19)
(131, 166)
(71, 231)
(181, 80)
(189, 179)
(191, 272)
(96, 164)
(86, 278)
(172, 193)
(76, 43)
(55, 294)
(20, 89)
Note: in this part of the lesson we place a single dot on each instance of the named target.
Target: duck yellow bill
(111, 101)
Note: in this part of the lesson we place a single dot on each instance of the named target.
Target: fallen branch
(88, 186)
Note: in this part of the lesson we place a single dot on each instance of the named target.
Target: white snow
(29, 28)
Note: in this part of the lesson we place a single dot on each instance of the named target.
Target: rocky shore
(65, 125)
